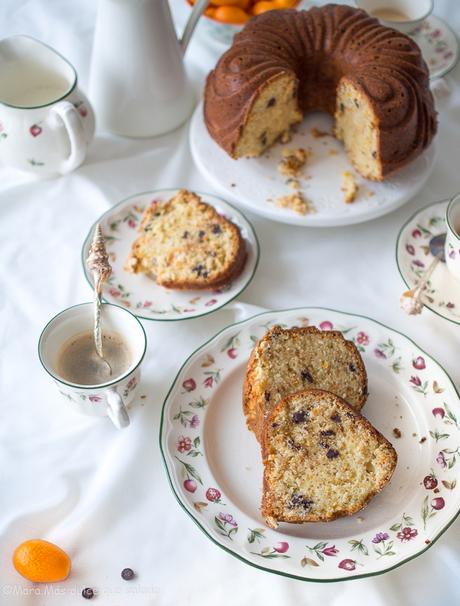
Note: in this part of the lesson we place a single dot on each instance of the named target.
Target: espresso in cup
(78, 361)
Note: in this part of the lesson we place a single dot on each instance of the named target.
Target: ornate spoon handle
(98, 263)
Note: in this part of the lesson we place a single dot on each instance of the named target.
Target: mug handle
(72, 123)
(116, 410)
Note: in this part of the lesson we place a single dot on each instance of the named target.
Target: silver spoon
(411, 300)
(98, 263)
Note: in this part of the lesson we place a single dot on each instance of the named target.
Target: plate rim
(446, 70)
(235, 553)
(286, 219)
(155, 191)
(399, 240)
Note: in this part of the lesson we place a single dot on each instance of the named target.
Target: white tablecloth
(103, 495)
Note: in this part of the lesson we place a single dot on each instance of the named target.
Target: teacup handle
(116, 410)
(72, 123)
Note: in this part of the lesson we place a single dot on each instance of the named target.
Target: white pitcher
(46, 122)
(138, 83)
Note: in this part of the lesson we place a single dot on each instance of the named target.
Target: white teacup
(404, 15)
(452, 246)
(107, 399)
(46, 122)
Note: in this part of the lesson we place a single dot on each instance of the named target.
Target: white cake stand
(255, 183)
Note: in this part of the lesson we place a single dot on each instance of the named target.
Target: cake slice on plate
(186, 244)
(322, 459)
(288, 360)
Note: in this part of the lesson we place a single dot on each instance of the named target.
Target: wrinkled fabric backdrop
(103, 495)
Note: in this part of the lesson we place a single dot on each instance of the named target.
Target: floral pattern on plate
(413, 258)
(439, 45)
(383, 535)
(140, 294)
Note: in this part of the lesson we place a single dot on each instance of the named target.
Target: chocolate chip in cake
(275, 425)
(271, 102)
(306, 376)
(323, 444)
(332, 453)
(263, 138)
(292, 444)
(374, 154)
(300, 416)
(198, 269)
(216, 229)
(327, 433)
(336, 418)
(201, 234)
(352, 367)
(185, 235)
(342, 108)
(299, 500)
(267, 396)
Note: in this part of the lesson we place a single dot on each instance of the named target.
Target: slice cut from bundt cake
(333, 58)
(288, 360)
(323, 459)
(185, 244)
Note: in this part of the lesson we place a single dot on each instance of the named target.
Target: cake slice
(288, 360)
(323, 459)
(186, 244)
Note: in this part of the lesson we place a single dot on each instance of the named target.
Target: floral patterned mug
(452, 246)
(107, 399)
(46, 122)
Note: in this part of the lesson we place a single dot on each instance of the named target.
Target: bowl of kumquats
(224, 18)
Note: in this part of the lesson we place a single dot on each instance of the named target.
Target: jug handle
(197, 11)
(72, 123)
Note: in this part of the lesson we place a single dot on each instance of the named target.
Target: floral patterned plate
(413, 257)
(214, 467)
(439, 46)
(140, 294)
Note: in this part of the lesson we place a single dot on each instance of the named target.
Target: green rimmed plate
(214, 467)
(413, 258)
(140, 294)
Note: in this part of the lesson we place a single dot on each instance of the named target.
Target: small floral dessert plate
(257, 185)
(413, 258)
(214, 466)
(439, 46)
(139, 293)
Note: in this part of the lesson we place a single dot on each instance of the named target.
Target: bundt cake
(323, 460)
(336, 59)
(286, 360)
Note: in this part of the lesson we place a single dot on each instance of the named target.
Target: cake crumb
(349, 187)
(294, 183)
(332, 152)
(296, 202)
(414, 435)
(293, 162)
(360, 519)
(286, 136)
(422, 439)
(317, 133)
(397, 432)
(370, 193)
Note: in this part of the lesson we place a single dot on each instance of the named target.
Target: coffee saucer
(439, 46)
(413, 257)
(139, 293)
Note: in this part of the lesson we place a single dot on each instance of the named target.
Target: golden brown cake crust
(255, 404)
(201, 245)
(318, 48)
(366, 429)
